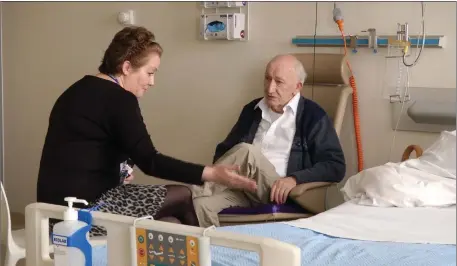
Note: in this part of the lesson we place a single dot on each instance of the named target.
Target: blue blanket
(321, 250)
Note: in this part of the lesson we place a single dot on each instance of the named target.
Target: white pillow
(440, 158)
(429, 181)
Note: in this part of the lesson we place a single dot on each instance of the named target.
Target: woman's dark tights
(178, 205)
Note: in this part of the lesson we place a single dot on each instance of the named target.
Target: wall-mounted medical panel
(436, 41)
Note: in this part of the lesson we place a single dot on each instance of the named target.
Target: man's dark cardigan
(316, 154)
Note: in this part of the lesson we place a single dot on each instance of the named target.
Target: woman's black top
(94, 126)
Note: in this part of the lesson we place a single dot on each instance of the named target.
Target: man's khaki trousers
(212, 198)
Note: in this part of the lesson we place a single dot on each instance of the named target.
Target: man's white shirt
(276, 132)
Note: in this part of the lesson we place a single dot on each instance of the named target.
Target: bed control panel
(154, 248)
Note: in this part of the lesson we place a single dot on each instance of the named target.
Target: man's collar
(292, 104)
(261, 104)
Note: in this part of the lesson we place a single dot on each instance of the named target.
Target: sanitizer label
(59, 240)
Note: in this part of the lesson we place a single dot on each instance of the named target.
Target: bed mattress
(321, 250)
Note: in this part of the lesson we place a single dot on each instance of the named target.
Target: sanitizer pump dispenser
(70, 237)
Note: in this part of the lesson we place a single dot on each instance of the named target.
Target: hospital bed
(261, 244)
(349, 234)
(328, 85)
(319, 249)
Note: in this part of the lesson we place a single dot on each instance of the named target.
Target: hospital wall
(201, 86)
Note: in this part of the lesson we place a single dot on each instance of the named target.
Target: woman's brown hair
(132, 44)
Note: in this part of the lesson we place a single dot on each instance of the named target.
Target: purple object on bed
(263, 209)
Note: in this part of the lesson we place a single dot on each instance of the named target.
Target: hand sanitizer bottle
(68, 236)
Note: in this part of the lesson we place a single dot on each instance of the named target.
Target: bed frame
(407, 153)
(271, 252)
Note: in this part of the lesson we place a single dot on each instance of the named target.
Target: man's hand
(227, 175)
(281, 189)
(129, 179)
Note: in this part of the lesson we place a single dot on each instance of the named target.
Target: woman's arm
(131, 134)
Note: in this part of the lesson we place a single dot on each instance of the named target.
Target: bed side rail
(271, 252)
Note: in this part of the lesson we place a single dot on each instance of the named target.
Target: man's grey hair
(300, 70)
(298, 66)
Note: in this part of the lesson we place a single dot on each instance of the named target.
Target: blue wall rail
(362, 41)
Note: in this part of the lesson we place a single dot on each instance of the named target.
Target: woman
(96, 125)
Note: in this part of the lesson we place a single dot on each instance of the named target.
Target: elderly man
(280, 140)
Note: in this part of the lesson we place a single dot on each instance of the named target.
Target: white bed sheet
(393, 224)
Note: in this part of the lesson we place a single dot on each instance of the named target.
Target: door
(1, 95)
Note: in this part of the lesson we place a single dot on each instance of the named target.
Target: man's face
(281, 83)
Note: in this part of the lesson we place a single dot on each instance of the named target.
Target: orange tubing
(355, 104)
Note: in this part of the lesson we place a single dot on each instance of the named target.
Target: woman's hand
(227, 175)
(129, 179)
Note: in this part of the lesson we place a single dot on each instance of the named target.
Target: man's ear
(299, 88)
(126, 68)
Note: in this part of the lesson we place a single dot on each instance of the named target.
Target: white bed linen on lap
(405, 225)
